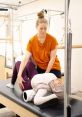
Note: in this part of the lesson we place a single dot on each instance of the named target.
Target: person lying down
(46, 87)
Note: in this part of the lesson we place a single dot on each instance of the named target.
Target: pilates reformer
(12, 98)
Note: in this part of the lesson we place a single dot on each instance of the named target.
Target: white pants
(41, 97)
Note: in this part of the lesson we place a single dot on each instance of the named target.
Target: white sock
(9, 85)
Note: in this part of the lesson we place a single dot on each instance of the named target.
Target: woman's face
(41, 29)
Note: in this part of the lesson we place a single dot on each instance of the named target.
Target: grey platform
(53, 108)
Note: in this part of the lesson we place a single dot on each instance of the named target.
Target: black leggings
(54, 71)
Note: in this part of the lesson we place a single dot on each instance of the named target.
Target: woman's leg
(15, 72)
(56, 72)
(40, 70)
(30, 69)
(27, 74)
(14, 75)
(41, 97)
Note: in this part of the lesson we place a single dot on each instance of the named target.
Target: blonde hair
(41, 18)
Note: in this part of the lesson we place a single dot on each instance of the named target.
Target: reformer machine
(12, 98)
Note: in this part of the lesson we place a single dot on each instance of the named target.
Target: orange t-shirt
(41, 52)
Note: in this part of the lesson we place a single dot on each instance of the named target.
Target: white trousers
(41, 96)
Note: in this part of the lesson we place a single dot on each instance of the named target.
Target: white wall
(77, 68)
(76, 20)
(76, 23)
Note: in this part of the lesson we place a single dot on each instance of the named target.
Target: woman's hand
(20, 81)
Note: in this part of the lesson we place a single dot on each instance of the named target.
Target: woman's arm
(22, 66)
(52, 59)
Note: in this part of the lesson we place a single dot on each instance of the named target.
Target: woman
(45, 86)
(42, 47)
(28, 72)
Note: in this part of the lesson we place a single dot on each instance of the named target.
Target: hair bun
(40, 14)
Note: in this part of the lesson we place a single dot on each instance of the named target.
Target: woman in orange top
(42, 47)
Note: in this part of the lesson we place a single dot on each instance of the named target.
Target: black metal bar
(69, 111)
(2, 9)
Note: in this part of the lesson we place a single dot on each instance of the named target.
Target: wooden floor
(5, 112)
